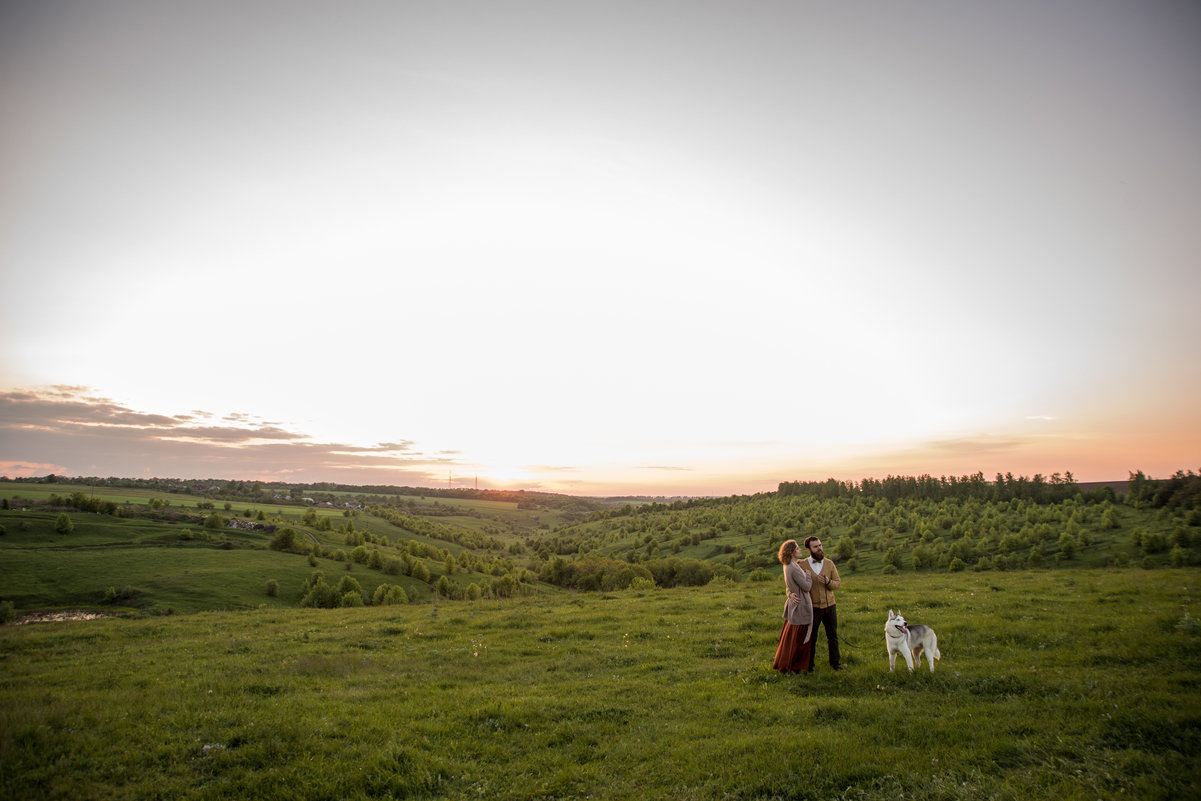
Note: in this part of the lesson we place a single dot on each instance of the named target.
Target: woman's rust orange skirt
(792, 654)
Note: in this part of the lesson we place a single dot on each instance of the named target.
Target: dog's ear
(890, 614)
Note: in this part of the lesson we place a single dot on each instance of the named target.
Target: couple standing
(811, 581)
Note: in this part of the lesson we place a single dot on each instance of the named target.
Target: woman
(792, 654)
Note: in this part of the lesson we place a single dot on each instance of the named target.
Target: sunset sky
(600, 248)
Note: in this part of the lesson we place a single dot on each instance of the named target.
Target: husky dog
(909, 642)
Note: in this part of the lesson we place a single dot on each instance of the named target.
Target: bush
(349, 584)
(759, 574)
(353, 598)
(642, 584)
(284, 540)
(320, 595)
(1154, 542)
(1179, 557)
(420, 571)
(272, 588)
(214, 521)
(1067, 545)
(957, 565)
(8, 612)
(389, 595)
(890, 569)
(63, 524)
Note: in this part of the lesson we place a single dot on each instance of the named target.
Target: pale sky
(599, 248)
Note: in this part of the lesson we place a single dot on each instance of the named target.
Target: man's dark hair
(809, 540)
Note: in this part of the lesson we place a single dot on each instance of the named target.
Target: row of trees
(1039, 489)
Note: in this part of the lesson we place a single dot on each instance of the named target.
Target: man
(821, 593)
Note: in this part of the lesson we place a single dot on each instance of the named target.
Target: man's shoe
(838, 667)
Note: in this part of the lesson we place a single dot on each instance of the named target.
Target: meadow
(1053, 684)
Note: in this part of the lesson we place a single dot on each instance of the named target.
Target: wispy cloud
(67, 429)
(668, 467)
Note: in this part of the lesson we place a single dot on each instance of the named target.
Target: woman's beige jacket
(798, 609)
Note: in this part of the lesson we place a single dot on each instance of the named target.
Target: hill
(164, 545)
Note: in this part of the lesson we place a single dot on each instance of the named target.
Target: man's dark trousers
(827, 616)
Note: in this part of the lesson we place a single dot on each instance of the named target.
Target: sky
(670, 248)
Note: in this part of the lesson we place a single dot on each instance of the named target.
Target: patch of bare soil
(60, 617)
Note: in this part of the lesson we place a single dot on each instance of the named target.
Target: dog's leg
(917, 656)
(908, 658)
(892, 660)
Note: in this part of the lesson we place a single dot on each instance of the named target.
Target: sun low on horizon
(688, 250)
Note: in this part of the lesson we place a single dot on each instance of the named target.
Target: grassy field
(1064, 684)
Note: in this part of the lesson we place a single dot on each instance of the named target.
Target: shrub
(473, 592)
(352, 598)
(375, 561)
(443, 587)
(349, 584)
(272, 588)
(893, 557)
(1179, 557)
(957, 565)
(758, 574)
(284, 540)
(360, 554)
(420, 571)
(8, 612)
(312, 560)
(890, 569)
(63, 524)
(641, 583)
(1154, 542)
(321, 596)
(1067, 545)
(393, 566)
(389, 595)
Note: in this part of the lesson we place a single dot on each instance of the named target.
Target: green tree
(284, 540)
(347, 585)
(420, 571)
(63, 524)
(893, 557)
(1067, 545)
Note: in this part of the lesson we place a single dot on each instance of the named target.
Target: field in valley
(1055, 684)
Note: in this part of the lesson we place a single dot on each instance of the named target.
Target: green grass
(1052, 685)
(45, 570)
